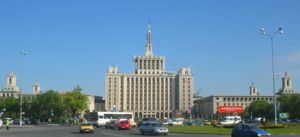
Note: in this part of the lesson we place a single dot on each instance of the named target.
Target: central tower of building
(149, 91)
(149, 64)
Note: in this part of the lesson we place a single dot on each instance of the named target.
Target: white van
(230, 120)
(177, 121)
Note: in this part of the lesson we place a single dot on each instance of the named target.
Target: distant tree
(75, 102)
(290, 104)
(12, 107)
(260, 109)
(48, 105)
(27, 107)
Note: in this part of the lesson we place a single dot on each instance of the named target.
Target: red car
(124, 124)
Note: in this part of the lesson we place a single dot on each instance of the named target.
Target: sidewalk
(18, 126)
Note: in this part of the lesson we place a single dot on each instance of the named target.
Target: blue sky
(72, 42)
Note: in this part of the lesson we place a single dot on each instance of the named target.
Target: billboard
(283, 115)
(230, 109)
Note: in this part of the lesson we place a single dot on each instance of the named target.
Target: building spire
(149, 45)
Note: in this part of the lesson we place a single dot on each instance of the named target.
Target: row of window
(147, 86)
(150, 108)
(228, 99)
(149, 72)
(146, 64)
(233, 104)
(7, 94)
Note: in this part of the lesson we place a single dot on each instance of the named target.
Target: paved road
(72, 131)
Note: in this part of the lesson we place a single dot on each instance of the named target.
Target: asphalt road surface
(72, 131)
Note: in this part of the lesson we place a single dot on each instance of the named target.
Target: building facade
(287, 86)
(36, 88)
(99, 103)
(10, 89)
(95, 103)
(150, 91)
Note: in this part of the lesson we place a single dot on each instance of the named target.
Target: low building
(95, 103)
(90, 103)
(216, 105)
(99, 103)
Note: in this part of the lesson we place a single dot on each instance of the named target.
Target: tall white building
(253, 90)
(287, 86)
(10, 89)
(36, 88)
(150, 91)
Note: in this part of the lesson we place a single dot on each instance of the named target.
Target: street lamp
(22, 53)
(271, 36)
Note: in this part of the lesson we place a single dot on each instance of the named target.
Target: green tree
(260, 109)
(12, 106)
(290, 104)
(75, 102)
(48, 105)
(27, 107)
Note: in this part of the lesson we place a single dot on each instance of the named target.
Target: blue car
(248, 130)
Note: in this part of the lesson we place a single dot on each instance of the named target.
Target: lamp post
(271, 36)
(22, 53)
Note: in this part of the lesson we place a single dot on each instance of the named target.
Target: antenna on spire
(148, 44)
(149, 26)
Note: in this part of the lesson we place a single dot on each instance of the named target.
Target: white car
(231, 120)
(177, 121)
(1, 123)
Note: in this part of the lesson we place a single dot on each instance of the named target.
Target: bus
(101, 118)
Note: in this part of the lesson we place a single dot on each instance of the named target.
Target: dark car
(283, 121)
(112, 124)
(248, 130)
(35, 121)
(296, 120)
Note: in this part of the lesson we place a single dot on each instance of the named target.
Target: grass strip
(227, 131)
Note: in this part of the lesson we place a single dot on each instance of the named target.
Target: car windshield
(156, 124)
(124, 122)
(224, 119)
(85, 124)
(253, 127)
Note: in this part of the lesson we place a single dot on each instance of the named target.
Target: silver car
(154, 128)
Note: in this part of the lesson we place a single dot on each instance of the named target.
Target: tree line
(286, 104)
(51, 105)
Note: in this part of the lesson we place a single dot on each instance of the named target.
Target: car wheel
(142, 132)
